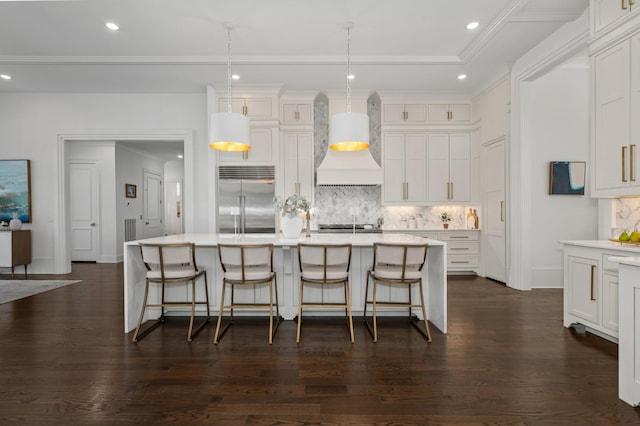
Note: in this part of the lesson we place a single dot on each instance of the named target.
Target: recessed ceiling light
(180, 156)
(351, 76)
(112, 26)
(462, 76)
(235, 76)
(5, 76)
(473, 25)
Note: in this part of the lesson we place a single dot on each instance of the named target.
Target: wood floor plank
(507, 360)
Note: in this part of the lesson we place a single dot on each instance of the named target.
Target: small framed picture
(567, 177)
(130, 190)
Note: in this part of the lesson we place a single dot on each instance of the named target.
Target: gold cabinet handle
(593, 275)
(296, 115)
(406, 190)
(451, 197)
(624, 162)
(632, 2)
(297, 187)
(632, 175)
(459, 237)
(501, 211)
(624, 7)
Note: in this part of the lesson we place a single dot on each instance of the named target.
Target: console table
(15, 249)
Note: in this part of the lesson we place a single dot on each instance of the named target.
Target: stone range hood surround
(349, 168)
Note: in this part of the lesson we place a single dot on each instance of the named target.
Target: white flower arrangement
(445, 217)
(292, 204)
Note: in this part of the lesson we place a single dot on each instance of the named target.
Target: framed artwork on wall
(15, 190)
(567, 177)
(130, 190)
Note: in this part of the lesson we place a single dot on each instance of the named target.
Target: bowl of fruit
(628, 237)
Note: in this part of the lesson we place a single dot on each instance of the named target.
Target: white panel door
(415, 165)
(152, 209)
(83, 211)
(494, 234)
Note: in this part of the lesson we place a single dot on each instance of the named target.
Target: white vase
(291, 225)
(15, 224)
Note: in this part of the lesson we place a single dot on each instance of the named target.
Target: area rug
(11, 290)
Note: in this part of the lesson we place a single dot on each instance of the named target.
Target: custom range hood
(349, 168)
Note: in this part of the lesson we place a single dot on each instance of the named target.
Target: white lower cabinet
(591, 288)
(463, 248)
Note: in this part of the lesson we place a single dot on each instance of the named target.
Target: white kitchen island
(286, 267)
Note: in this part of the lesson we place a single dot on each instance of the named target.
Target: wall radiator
(129, 229)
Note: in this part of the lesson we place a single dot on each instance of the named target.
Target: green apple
(624, 236)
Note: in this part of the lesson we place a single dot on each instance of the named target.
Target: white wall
(556, 125)
(30, 124)
(568, 41)
(129, 168)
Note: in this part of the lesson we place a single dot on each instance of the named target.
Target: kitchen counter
(629, 329)
(437, 229)
(603, 244)
(285, 263)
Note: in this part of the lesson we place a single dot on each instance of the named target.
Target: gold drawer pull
(624, 163)
(593, 273)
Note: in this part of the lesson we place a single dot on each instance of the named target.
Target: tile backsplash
(628, 213)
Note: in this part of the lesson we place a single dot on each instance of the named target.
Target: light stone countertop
(603, 244)
(357, 240)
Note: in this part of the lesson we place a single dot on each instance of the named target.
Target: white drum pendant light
(349, 131)
(229, 130)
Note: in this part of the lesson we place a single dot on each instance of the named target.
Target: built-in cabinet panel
(297, 113)
(607, 14)
(449, 113)
(252, 107)
(264, 144)
(591, 288)
(298, 163)
(583, 288)
(449, 167)
(463, 248)
(404, 113)
(404, 166)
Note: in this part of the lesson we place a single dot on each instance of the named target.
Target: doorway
(109, 226)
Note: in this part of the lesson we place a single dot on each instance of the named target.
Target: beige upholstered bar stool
(247, 265)
(396, 265)
(324, 266)
(171, 264)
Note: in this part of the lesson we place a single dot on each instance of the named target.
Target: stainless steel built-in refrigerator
(245, 199)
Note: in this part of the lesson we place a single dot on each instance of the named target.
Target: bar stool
(247, 265)
(325, 265)
(396, 265)
(171, 264)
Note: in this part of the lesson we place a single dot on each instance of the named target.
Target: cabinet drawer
(458, 236)
(458, 247)
(462, 262)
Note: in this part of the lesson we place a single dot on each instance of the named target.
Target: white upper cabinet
(395, 113)
(449, 113)
(260, 108)
(608, 14)
(616, 128)
(449, 165)
(297, 148)
(263, 149)
(297, 113)
(404, 165)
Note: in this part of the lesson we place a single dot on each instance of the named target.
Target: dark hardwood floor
(507, 360)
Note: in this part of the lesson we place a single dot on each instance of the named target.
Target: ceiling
(181, 45)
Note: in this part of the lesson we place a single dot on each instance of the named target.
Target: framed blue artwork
(567, 177)
(15, 190)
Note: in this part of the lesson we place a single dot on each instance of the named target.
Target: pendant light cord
(348, 68)
(229, 107)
